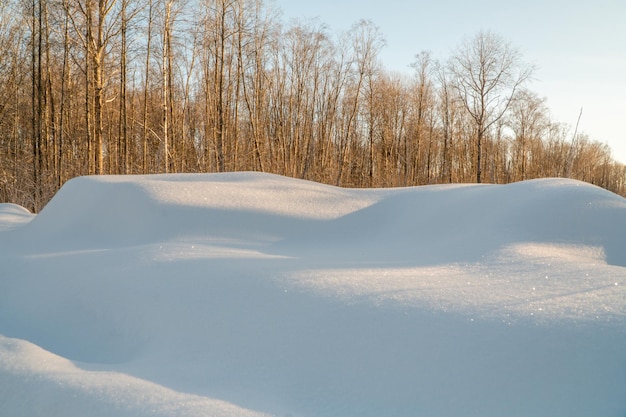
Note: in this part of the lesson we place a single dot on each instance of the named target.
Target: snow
(13, 216)
(248, 294)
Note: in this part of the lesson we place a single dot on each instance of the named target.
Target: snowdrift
(248, 294)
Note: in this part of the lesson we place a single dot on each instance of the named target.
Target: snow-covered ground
(249, 294)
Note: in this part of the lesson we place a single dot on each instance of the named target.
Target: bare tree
(422, 126)
(488, 72)
(92, 23)
(254, 40)
(392, 109)
(99, 40)
(218, 36)
(166, 74)
(447, 111)
(365, 40)
(37, 74)
(123, 146)
(528, 120)
(146, 89)
(13, 75)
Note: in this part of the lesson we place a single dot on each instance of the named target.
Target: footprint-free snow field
(248, 294)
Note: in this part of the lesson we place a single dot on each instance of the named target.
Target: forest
(96, 87)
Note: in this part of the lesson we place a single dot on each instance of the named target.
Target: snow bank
(13, 216)
(253, 294)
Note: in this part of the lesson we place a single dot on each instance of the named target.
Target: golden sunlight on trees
(150, 86)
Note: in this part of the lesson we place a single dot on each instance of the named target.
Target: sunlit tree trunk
(166, 72)
(146, 90)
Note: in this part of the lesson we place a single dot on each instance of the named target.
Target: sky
(578, 47)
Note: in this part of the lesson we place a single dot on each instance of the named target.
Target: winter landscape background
(248, 294)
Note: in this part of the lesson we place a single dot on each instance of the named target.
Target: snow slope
(248, 294)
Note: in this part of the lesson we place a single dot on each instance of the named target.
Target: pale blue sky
(578, 47)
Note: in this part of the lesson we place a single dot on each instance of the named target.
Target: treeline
(150, 86)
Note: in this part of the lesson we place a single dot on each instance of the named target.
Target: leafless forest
(152, 86)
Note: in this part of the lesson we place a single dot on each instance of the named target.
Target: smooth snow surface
(13, 216)
(249, 294)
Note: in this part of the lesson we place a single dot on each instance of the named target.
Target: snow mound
(13, 216)
(441, 224)
(247, 294)
(119, 210)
